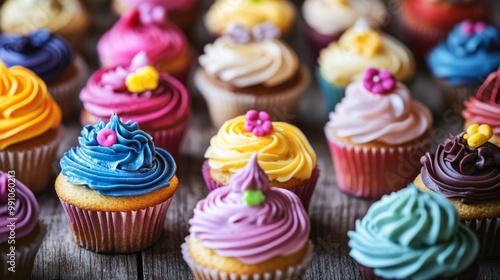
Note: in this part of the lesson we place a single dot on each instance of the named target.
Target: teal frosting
(466, 59)
(130, 167)
(413, 235)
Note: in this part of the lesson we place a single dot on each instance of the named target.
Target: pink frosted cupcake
(377, 135)
(139, 93)
(19, 206)
(248, 230)
(145, 29)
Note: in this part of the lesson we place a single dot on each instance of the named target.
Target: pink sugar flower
(259, 123)
(106, 137)
(378, 81)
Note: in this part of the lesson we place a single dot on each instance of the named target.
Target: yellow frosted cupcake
(29, 127)
(284, 153)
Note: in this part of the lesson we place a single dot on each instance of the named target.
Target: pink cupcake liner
(117, 232)
(170, 138)
(26, 251)
(66, 93)
(203, 273)
(304, 191)
(372, 172)
(33, 166)
(487, 231)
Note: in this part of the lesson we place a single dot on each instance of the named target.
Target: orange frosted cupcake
(29, 127)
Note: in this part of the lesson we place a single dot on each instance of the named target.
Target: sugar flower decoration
(477, 135)
(259, 123)
(365, 41)
(251, 183)
(239, 34)
(143, 79)
(471, 28)
(379, 81)
(106, 137)
(152, 14)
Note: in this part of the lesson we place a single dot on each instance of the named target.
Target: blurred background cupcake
(139, 93)
(461, 63)
(466, 169)
(248, 13)
(52, 59)
(250, 69)
(249, 229)
(30, 129)
(146, 29)
(408, 235)
(485, 106)
(284, 153)
(182, 13)
(377, 135)
(67, 18)
(326, 20)
(426, 22)
(27, 234)
(360, 47)
(116, 187)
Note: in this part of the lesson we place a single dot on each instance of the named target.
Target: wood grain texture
(332, 212)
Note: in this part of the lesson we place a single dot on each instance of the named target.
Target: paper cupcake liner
(370, 172)
(33, 166)
(66, 92)
(25, 255)
(453, 97)
(487, 231)
(304, 191)
(332, 94)
(421, 39)
(224, 105)
(170, 138)
(318, 41)
(203, 273)
(116, 232)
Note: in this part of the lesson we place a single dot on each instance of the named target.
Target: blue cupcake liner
(332, 94)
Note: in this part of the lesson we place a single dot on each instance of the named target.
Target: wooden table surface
(332, 212)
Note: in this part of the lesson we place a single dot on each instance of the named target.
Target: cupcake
(411, 234)
(116, 188)
(147, 30)
(358, 48)
(139, 93)
(466, 169)
(284, 153)
(180, 12)
(327, 20)
(248, 230)
(426, 22)
(485, 107)
(377, 135)
(52, 59)
(461, 63)
(67, 18)
(20, 232)
(250, 69)
(29, 127)
(248, 13)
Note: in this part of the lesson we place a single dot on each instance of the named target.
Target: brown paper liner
(487, 231)
(204, 273)
(116, 232)
(453, 97)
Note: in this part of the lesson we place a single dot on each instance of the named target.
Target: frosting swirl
(413, 235)
(223, 13)
(106, 93)
(26, 208)
(485, 106)
(459, 171)
(349, 52)
(392, 118)
(26, 108)
(266, 62)
(137, 31)
(252, 234)
(284, 153)
(42, 52)
(130, 167)
(462, 51)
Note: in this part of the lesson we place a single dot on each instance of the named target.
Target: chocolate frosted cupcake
(411, 234)
(466, 169)
(485, 106)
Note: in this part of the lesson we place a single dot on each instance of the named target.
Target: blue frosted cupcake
(462, 62)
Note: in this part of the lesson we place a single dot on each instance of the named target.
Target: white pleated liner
(25, 257)
(202, 273)
(33, 167)
(224, 105)
(487, 231)
(170, 138)
(117, 232)
(66, 93)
